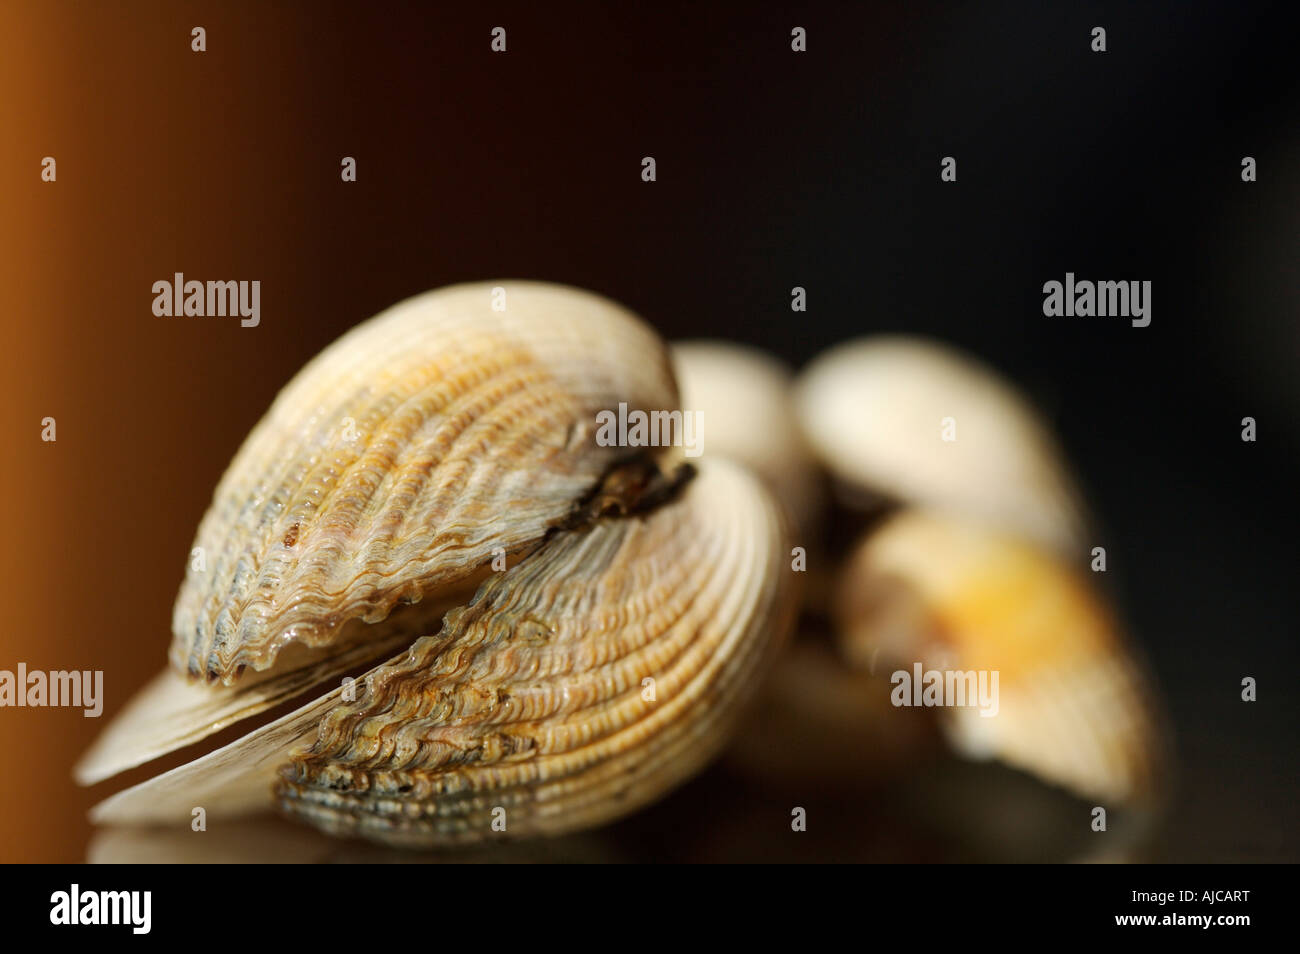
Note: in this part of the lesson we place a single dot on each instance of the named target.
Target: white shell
(744, 399)
(877, 412)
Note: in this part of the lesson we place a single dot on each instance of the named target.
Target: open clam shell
(581, 683)
(172, 712)
(601, 665)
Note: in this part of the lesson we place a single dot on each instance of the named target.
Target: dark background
(775, 169)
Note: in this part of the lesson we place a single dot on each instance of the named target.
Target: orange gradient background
(148, 138)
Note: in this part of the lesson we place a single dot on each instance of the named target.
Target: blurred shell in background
(1073, 706)
(915, 421)
(744, 397)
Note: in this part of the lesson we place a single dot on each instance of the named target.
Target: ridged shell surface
(579, 685)
(401, 457)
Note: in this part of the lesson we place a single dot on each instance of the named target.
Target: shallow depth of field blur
(775, 169)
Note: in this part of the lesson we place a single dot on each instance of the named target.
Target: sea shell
(402, 457)
(1073, 705)
(605, 664)
(172, 711)
(876, 412)
(532, 704)
(744, 398)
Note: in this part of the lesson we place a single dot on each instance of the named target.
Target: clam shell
(873, 412)
(1074, 706)
(532, 698)
(402, 456)
(744, 398)
(172, 712)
